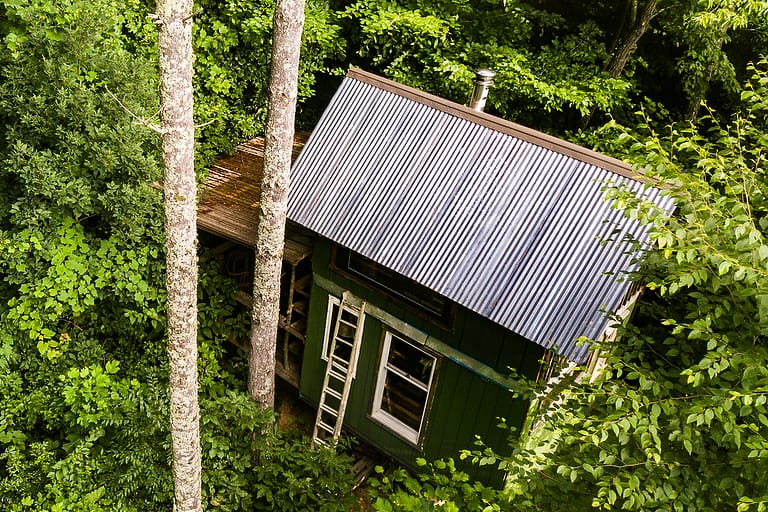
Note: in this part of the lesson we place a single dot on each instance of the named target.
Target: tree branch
(139, 119)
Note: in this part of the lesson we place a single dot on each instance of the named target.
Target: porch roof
(228, 204)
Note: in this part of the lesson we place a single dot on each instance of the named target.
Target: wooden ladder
(342, 361)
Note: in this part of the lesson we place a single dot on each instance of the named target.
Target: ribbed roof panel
(502, 220)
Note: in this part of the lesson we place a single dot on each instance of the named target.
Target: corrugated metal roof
(501, 219)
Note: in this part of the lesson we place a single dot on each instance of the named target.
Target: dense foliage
(232, 47)
(232, 52)
(83, 380)
(543, 65)
(678, 420)
(561, 64)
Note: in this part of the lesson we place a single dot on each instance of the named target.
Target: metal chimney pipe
(483, 82)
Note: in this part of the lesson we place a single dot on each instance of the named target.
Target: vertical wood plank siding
(463, 404)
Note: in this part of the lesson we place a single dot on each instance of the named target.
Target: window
(403, 386)
(416, 296)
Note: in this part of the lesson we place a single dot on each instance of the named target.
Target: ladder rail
(339, 372)
(351, 374)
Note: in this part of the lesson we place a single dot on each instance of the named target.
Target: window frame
(334, 303)
(380, 415)
(340, 262)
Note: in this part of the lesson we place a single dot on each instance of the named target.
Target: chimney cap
(485, 75)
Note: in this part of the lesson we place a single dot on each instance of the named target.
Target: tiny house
(432, 251)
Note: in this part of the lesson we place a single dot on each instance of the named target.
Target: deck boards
(228, 205)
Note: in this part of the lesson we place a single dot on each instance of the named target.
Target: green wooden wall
(463, 403)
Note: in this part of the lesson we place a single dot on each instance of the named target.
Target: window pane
(347, 326)
(403, 387)
(403, 400)
(400, 285)
(330, 321)
(410, 360)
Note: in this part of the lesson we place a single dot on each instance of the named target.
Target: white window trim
(328, 333)
(329, 319)
(382, 416)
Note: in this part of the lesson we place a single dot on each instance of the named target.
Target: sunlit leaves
(682, 406)
(436, 45)
(232, 52)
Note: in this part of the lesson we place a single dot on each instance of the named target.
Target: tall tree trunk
(628, 18)
(627, 46)
(698, 95)
(174, 19)
(273, 199)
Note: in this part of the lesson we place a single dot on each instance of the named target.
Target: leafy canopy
(84, 422)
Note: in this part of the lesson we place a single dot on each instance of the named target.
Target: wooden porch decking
(228, 205)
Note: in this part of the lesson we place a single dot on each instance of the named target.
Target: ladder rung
(338, 376)
(335, 394)
(342, 369)
(340, 362)
(324, 426)
(330, 410)
(324, 398)
(343, 341)
(349, 324)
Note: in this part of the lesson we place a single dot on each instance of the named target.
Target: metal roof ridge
(501, 125)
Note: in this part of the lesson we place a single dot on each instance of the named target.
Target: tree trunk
(174, 19)
(629, 42)
(628, 18)
(700, 93)
(627, 47)
(273, 199)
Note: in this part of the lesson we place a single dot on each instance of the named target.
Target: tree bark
(629, 42)
(626, 47)
(700, 93)
(174, 19)
(627, 18)
(273, 199)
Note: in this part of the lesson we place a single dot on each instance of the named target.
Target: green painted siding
(462, 403)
